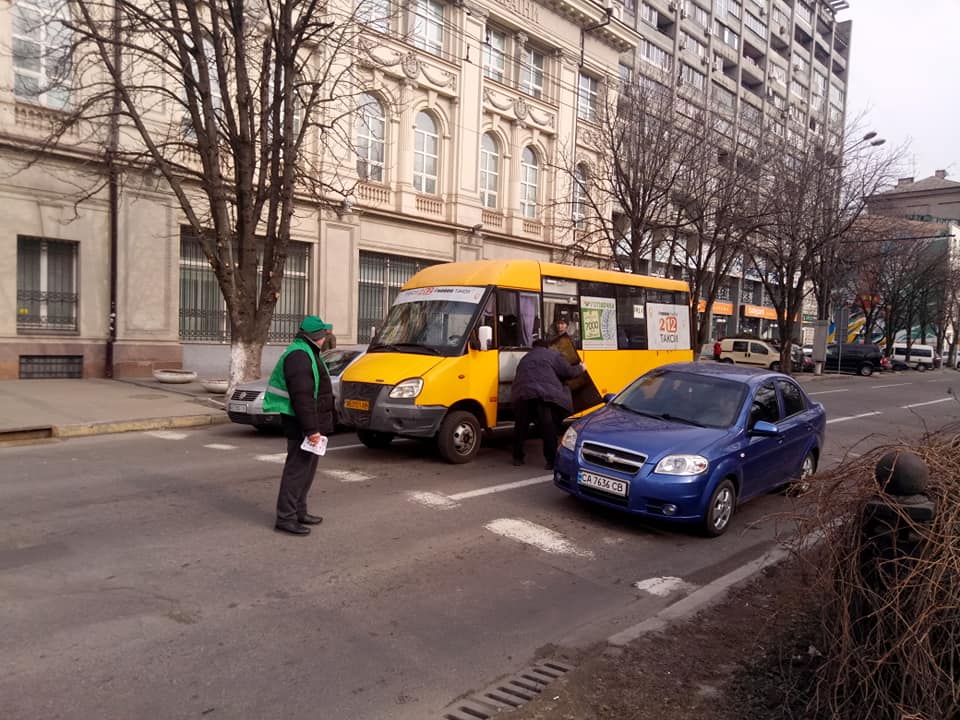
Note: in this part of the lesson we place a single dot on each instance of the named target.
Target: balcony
(429, 205)
(751, 71)
(371, 195)
(492, 219)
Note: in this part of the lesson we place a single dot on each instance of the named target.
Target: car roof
(725, 371)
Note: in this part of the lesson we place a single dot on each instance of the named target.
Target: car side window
(793, 401)
(758, 349)
(739, 346)
(765, 406)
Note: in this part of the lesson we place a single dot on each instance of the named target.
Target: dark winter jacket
(311, 416)
(540, 375)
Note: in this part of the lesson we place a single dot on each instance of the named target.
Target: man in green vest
(299, 389)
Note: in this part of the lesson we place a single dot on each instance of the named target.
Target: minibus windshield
(431, 321)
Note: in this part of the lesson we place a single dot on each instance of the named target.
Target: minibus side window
(518, 318)
(488, 316)
(631, 318)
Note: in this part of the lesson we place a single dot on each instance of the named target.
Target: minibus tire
(374, 438)
(458, 439)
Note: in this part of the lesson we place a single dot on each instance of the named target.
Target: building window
(654, 54)
(726, 35)
(805, 12)
(203, 312)
(755, 24)
(381, 277)
(46, 285)
(489, 171)
(750, 115)
(693, 45)
(371, 129)
(41, 53)
(428, 26)
(531, 72)
(426, 154)
(579, 198)
(529, 183)
(649, 15)
(692, 77)
(495, 55)
(375, 14)
(698, 14)
(778, 73)
(587, 98)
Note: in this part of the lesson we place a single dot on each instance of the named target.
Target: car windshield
(337, 360)
(684, 397)
(430, 321)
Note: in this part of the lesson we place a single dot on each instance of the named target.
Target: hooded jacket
(540, 375)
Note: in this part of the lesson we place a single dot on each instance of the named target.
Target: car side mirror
(762, 428)
(485, 335)
(608, 397)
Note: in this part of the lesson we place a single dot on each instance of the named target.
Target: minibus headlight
(569, 440)
(407, 389)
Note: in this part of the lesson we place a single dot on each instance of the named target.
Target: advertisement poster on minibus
(598, 318)
(668, 327)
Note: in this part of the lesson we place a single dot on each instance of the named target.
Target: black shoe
(309, 519)
(294, 528)
(517, 461)
(548, 465)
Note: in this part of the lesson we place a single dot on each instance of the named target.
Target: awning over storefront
(719, 308)
(756, 311)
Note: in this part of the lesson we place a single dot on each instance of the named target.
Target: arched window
(371, 129)
(579, 198)
(426, 154)
(489, 171)
(529, 183)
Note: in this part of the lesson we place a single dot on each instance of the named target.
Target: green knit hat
(314, 328)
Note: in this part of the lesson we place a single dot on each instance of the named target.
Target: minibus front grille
(358, 392)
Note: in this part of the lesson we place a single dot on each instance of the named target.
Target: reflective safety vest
(276, 398)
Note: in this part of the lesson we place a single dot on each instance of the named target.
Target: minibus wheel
(374, 438)
(458, 439)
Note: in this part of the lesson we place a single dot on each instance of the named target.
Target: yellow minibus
(442, 363)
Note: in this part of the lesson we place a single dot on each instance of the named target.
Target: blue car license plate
(602, 482)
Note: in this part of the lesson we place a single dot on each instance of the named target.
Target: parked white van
(921, 356)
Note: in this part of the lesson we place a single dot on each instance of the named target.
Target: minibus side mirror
(485, 334)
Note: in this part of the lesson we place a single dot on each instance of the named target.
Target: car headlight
(682, 465)
(569, 440)
(407, 389)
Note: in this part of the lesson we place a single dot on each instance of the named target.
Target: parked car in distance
(245, 405)
(860, 358)
(922, 357)
(750, 351)
(689, 442)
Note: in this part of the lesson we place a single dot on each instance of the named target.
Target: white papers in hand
(319, 449)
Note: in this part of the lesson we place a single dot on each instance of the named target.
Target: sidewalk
(37, 409)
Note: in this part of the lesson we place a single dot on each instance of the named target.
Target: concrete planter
(174, 376)
(215, 386)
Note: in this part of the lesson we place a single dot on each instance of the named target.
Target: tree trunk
(245, 357)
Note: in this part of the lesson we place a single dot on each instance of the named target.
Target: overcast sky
(905, 72)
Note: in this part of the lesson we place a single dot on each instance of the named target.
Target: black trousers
(298, 473)
(549, 419)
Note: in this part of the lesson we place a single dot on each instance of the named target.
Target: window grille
(381, 277)
(46, 285)
(203, 312)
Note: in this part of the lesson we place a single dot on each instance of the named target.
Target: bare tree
(814, 193)
(238, 106)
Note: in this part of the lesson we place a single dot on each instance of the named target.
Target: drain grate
(509, 693)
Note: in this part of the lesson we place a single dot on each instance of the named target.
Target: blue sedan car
(691, 441)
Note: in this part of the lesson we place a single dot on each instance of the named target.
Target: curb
(110, 427)
(700, 599)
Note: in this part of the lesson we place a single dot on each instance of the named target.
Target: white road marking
(275, 458)
(345, 447)
(929, 402)
(220, 446)
(348, 475)
(540, 537)
(501, 488)
(827, 392)
(877, 387)
(853, 417)
(167, 434)
(431, 499)
(662, 586)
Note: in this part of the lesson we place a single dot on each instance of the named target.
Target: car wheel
(727, 360)
(720, 509)
(458, 439)
(374, 438)
(807, 468)
(921, 367)
(866, 369)
(775, 366)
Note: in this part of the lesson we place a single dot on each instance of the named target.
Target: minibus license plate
(356, 404)
(602, 482)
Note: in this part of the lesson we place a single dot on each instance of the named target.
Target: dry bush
(891, 602)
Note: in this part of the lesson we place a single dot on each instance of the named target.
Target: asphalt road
(140, 575)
